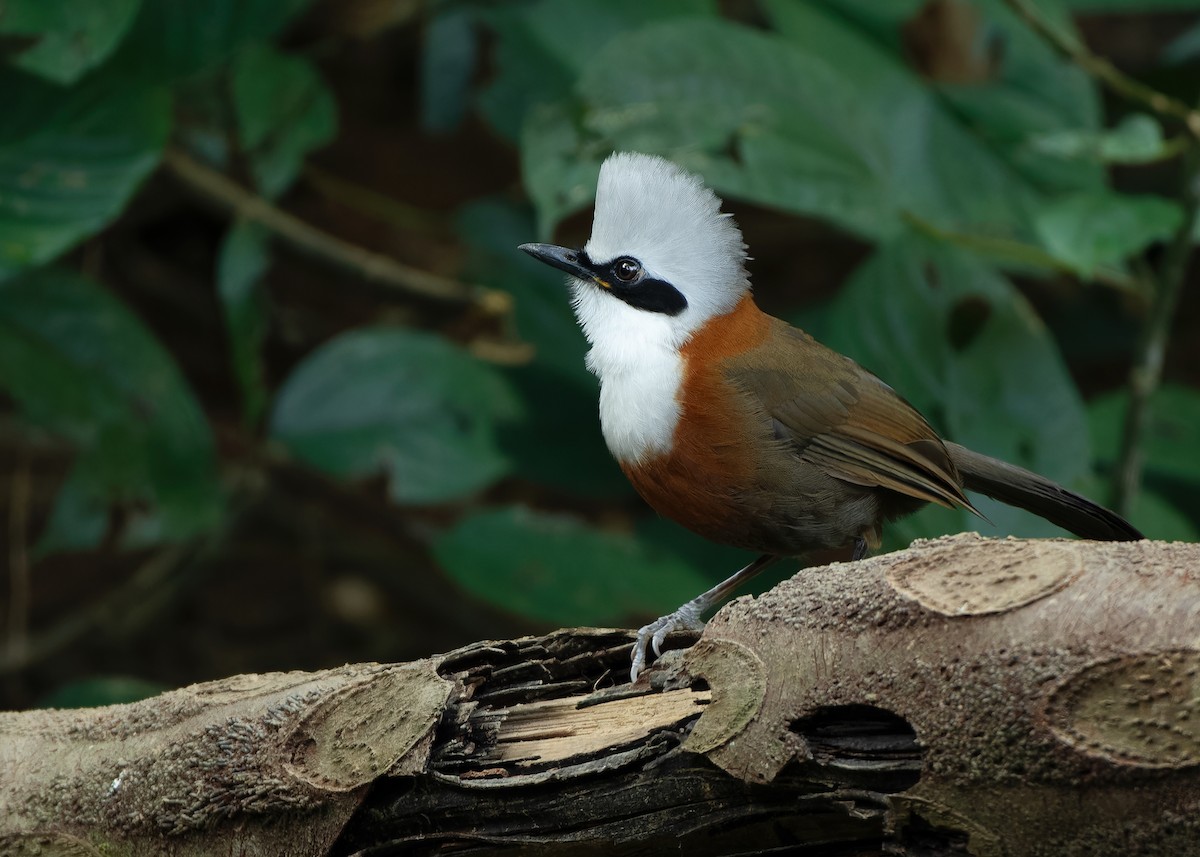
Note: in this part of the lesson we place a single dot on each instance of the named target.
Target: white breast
(635, 356)
(639, 410)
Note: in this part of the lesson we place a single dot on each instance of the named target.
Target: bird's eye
(627, 269)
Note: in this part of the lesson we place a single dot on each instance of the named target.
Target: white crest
(663, 216)
(652, 210)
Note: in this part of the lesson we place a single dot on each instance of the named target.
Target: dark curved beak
(560, 257)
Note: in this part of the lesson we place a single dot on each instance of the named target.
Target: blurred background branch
(242, 204)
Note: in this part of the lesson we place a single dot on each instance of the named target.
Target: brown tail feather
(1025, 490)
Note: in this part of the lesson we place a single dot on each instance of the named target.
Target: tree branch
(962, 696)
(363, 263)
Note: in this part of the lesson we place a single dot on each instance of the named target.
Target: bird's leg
(860, 549)
(688, 616)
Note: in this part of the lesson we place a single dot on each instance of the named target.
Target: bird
(739, 426)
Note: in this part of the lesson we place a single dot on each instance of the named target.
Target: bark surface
(962, 696)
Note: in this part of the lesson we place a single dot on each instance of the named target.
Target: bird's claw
(686, 618)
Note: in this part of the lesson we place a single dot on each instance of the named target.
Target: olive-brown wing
(841, 418)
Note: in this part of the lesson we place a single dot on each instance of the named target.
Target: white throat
(637, 360)
(671, 225)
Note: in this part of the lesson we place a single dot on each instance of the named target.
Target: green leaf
(825, 118)
(1171, 443)
(1136, 139)
(492, 229)
(559, 170)
(66, 39)
(538, 51)
(959, 342)
(1086, 231)
(1185, 47)
(1015, 256)
(1160, 519)
(559, 442)
(80, 366)
(861, 152)
(106, 690)
(243, 260)
(695, 89)
(1158, 511)
(448, 61)
(1031, 90)
(527, 71)
(400, 402)
(70, 159)
(713, 561)
(559, 570)
(284, 111)
(80, 517)
(175, 39)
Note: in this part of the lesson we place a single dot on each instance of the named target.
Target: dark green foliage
(1170, 456)
(400, 402)
(244, 259)
(172, 40)
(1136, 139)
(93, 692)
(83, 368)
(1088, 230)
(560, 444)
(70, 159)
(825, 115)
(66, 40)
(448, 60)
(954, 187)
(964, 346)
(1173, 444)
(283, 111)
(560, 571)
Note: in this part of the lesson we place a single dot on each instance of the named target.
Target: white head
(663, 229)
(662, 260)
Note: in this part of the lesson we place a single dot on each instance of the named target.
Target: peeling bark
(963, 696)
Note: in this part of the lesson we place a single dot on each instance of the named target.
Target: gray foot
(686, 618)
